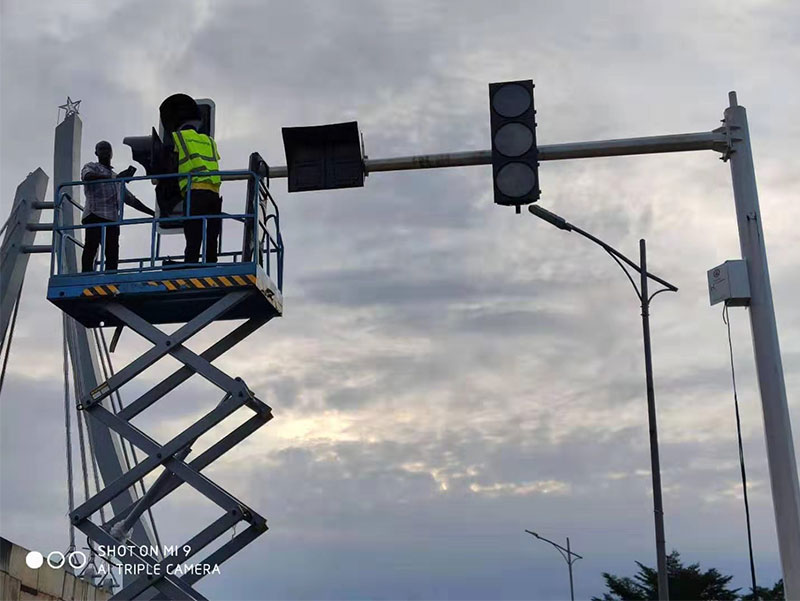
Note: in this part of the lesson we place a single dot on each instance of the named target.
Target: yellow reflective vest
(197, 153)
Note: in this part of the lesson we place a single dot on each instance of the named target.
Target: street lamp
(645, 297)
(567, 554)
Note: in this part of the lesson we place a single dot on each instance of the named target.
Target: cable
(82, 447)
(68, 427)
(82, 441)
(106, 359)
(116, 406)
(93, 458)
(741, 452)
(11, 334)
(5, 225)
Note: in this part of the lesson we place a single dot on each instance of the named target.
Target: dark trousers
(203, 202)
(92, 240)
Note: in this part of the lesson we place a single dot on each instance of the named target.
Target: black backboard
(323, 157)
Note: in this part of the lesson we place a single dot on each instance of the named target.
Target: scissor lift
(143, 293)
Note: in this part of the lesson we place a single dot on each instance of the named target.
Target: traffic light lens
(515, 180)
(511, 100)
(513, 139)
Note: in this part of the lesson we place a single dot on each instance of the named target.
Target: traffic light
(147, 151)
(179, 108)
(156, 152)
(515, 158)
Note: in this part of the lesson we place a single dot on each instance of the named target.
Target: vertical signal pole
(777, 426)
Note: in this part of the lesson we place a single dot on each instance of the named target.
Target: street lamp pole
(643, 293)
(655, 462)
(568, 556)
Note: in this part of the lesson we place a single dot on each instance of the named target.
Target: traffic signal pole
(549, 152)
(733, 141)
(777, 424)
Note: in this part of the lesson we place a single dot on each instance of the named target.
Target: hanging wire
(7, 343)
(82, 447)
(84, 467)
(68, 428)
(106, 359)
(727, 321)
(5, 225)
(93, 460)
(116, 401)
(81, 424)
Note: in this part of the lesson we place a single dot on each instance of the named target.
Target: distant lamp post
(644, 297)
(568, 556)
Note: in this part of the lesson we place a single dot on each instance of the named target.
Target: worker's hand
(127, 172)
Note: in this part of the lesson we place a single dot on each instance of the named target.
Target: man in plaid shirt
(103, 206)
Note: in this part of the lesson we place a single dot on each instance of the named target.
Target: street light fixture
(645, 297)
(568, 556)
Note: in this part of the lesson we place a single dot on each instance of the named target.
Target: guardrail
(261, 215)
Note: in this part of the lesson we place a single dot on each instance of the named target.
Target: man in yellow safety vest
(197, 153)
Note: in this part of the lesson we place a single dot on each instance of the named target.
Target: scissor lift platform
(165, 295)
(147, 291)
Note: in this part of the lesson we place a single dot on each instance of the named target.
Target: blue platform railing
(261, 215)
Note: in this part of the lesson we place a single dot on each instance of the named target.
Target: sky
(446, 373)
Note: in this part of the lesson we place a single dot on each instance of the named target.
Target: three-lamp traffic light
(157, 155)
(154, 151)
(515, 157)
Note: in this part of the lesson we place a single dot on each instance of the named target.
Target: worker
(196, 153)
(103, 206)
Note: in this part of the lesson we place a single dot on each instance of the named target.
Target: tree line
(686, 583)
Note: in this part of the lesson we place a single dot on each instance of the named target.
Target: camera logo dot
(75, 563)
(55, 559)
(34, 560)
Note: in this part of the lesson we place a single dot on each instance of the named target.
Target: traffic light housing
(324, 157)
(515, 157)
(147, 151)
(179, 108)
(156, 152)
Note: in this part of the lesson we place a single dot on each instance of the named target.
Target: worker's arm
(129, 172)
(137, 204)
(129, 197)
(90, 173)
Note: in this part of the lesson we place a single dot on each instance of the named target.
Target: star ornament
(70, 108)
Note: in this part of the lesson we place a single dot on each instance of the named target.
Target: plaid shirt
(102, 198)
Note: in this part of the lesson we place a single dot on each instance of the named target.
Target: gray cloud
(430, 338)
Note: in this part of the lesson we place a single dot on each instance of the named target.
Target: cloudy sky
(447, 373)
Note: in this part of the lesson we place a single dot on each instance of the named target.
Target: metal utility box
(728, 282)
